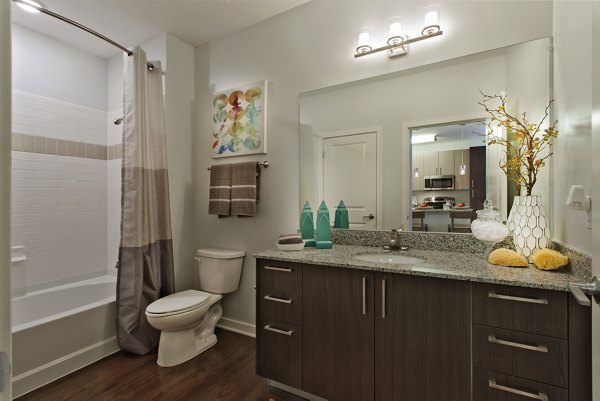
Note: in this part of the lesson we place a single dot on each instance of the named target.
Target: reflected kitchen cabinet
(418, 183)
(438, 163)
(462, 181)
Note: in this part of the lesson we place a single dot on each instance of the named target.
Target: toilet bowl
(187, 319)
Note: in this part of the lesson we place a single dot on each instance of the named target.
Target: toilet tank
(219, 270)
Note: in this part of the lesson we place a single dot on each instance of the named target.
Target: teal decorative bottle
(341, 216)
(323, 227)
(307, 226)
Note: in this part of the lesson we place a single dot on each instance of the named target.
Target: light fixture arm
(397, 45)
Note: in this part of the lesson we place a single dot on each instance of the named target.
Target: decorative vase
(528, 224)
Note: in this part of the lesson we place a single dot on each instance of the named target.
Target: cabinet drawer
(492, 386)
(283, 276)
(530, 356)
(279, 350)
(524, 309)
(280, 305)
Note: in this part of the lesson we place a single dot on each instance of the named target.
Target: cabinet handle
(364, 295)
(280, 300)
(279, 331)
(541, 301)
(280, 269)
(472, 183)
(383, 299)
(538, 348)
(440, 171)
(539, 396)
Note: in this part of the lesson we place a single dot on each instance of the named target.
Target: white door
(350, 174)
(5, 138)
(596, 195)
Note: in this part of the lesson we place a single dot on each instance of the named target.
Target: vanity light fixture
(424, 138)
(397, 43)
(463, 166)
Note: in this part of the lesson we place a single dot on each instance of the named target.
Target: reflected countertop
(442, 264)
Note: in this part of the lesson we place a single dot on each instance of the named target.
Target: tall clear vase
(528, 224)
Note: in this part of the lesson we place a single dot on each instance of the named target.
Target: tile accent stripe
(60, 147)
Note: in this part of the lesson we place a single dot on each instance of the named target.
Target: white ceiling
(131, 22)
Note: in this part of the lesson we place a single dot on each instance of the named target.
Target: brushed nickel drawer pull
(280, 300)
(538, 348)
(280, 269)
(541, 301)
(383, 299)
(279, 331)
(364, 295)
(539, 396)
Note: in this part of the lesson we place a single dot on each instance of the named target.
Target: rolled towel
(290, 239)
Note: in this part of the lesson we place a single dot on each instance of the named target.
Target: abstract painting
(239, 121)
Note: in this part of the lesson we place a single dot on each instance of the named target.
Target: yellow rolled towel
(507, 257)
(547, 259)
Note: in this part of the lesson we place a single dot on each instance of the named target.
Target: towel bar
(265, 164)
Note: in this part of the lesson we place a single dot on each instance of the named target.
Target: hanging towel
(219, 201)
(245, 188)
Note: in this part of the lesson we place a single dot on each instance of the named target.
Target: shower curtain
(145, 266)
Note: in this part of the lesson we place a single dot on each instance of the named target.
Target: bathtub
(59, 330)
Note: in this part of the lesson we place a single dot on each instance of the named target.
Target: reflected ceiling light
(416, 172)
(30, 6)
(397, 43)
(424, 138)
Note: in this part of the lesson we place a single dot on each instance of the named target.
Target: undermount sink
(388, 258)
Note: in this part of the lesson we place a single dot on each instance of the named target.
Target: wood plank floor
(225, 372)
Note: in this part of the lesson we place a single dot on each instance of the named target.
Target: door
(350, 174)
(446, 162)
(477, 167)
(422, 338)
(337, 347)
(5, 138)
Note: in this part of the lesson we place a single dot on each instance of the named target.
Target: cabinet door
(446, 162)
(430, 163)
(418, 183)
(422, 339)
(462, 181)
(338, 333)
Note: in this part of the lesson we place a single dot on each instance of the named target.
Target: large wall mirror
(409, 150)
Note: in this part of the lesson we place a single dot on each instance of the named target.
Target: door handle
(539, 396)
(369, 217)
(578, 290)
(540, 301)
(364, 295)
(280, 300)
(383, 299)
(538, 348)
(268, 327)
(279, 269)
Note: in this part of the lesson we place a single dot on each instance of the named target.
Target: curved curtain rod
(84, 28)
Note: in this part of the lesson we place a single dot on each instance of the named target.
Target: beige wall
(307, 48)
(573, 93)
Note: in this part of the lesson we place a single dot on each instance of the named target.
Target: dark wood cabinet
(422, 339)
(338, 333)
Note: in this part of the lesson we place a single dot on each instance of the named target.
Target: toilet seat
(179, 302)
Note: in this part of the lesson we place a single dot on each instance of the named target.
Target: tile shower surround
(64, 182)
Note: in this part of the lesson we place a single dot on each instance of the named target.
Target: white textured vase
(528, 224)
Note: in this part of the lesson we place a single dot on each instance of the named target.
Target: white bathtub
(62, 329)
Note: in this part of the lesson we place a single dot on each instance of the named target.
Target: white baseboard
(42, 375)
(236, 326)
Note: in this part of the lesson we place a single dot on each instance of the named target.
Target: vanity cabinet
(422, 338)
(338, 333)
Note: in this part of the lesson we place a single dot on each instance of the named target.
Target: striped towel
(219, 198)
(245, 188)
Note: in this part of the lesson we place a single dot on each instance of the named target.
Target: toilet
(187, 319)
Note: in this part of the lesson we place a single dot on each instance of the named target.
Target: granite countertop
(442, 264)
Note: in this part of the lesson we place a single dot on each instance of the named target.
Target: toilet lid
(178, 302)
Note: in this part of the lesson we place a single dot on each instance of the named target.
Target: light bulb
(431, 20)
(416, 172)
(395, 31)
(463, 169)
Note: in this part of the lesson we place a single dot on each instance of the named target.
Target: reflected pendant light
(463, 166)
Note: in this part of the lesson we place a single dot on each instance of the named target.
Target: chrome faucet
(394, 244)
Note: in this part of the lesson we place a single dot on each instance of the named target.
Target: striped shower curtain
(146, 250)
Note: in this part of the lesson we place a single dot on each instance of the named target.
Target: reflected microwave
(439, 182)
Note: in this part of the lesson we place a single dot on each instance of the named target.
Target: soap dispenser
(307, 226)
(341, 216)
(323, 227)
